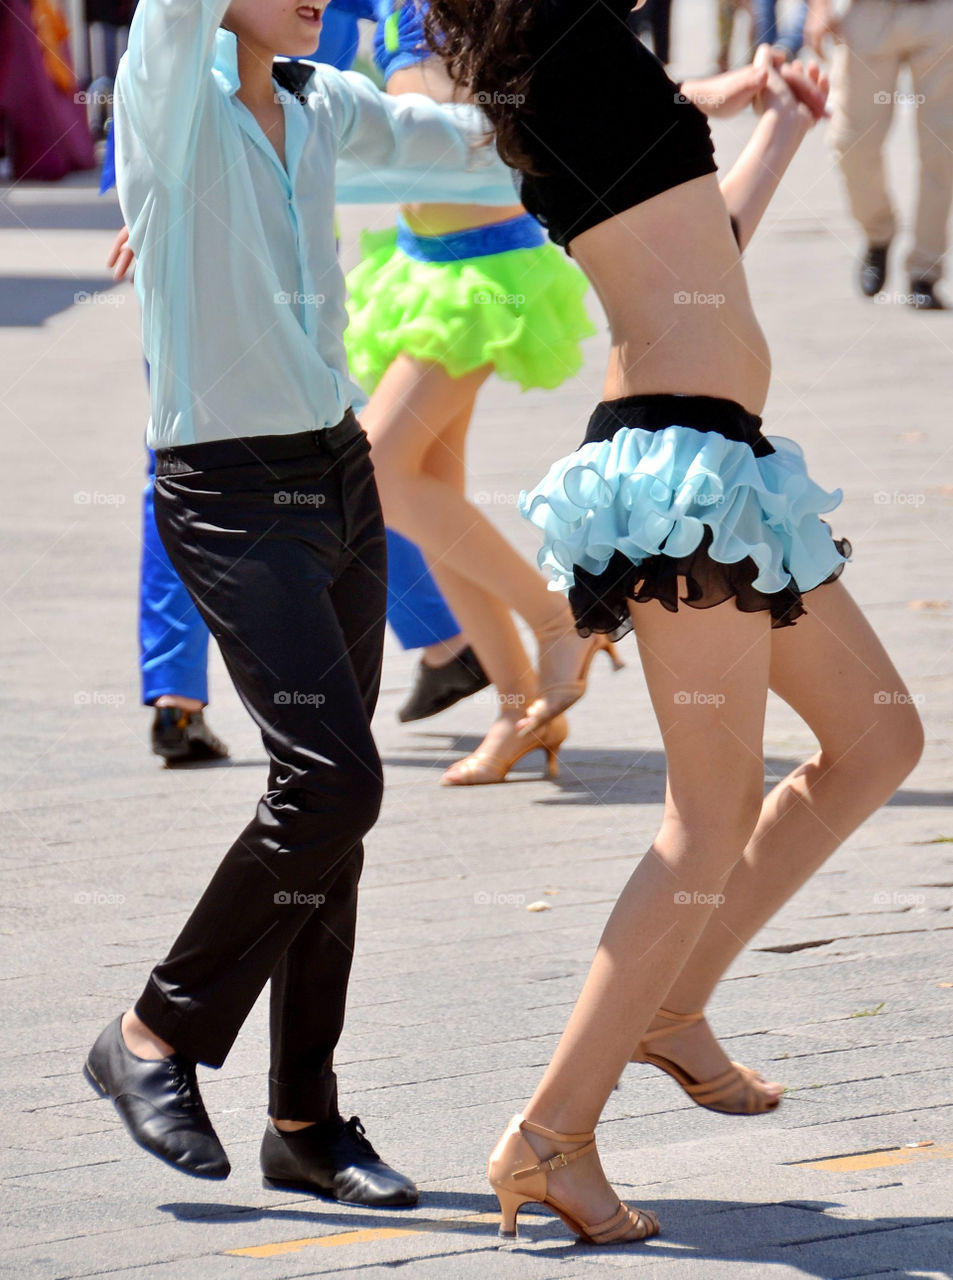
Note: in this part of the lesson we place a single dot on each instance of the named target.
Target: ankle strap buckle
(558, 1161)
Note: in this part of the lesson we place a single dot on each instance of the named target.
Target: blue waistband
(521, 232)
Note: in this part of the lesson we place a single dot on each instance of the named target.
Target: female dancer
(456, 292)
(676, 498)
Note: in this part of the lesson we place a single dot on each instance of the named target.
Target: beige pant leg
(931, 63)
(864, 75)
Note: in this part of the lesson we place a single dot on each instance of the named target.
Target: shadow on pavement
(815, 1246)
(599, 776)
(32, 300)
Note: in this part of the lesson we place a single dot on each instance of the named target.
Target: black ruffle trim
(600, 602)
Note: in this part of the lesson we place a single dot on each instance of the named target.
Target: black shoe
(873, 270)
(334, 1160)
(183, 737)
(159, 1103)
(923, 296)
(437, 688)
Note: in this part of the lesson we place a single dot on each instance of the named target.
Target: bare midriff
(434, 219)
(670, 278)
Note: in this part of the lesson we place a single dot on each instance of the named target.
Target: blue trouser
(765, 25)
(173, 639)
(415, 608)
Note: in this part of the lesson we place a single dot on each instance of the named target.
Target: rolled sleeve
(165, 74)
(410, 148)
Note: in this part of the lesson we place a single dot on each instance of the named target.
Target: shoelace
(359, 1134)
(186, 1085)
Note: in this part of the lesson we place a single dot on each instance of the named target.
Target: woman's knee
(707, 834)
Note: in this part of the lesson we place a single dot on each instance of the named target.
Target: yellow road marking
(363, 1236)
(344, 1237)
(882, 1159)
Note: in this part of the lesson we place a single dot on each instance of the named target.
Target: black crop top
(606, 127)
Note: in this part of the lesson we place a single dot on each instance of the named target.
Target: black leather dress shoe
(183, 737)
(437, 688)
(159, 1103)
(334, 1160)
(873, 270)
(924, 297)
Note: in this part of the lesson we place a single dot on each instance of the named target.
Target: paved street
(459, 989)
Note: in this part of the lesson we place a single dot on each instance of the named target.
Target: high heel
(483, 768)
(559, 696)
(739, 1085)
(519, 1177)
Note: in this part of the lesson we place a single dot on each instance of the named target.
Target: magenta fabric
(46, 132)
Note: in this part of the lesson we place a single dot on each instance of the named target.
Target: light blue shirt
(242, 295)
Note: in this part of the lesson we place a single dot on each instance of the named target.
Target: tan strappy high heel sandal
(733, 1093)
(483, 768)
(518, 1177)
(560, 696)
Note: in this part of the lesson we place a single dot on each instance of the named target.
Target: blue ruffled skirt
(671, 494)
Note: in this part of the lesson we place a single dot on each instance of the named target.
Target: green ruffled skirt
(521, 311)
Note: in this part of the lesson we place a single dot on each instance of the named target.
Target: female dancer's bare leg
(834, 672)
(723, 661)
(409, 412)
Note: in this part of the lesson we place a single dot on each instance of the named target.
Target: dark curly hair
(490, 48)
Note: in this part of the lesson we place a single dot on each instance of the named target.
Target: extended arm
(790, 110)
(408, 147)
(163, 77)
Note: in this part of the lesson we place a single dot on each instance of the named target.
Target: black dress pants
(280, 542)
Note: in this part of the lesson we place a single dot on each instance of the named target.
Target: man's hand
(732, 91)
(820, 26)
(121, 257)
